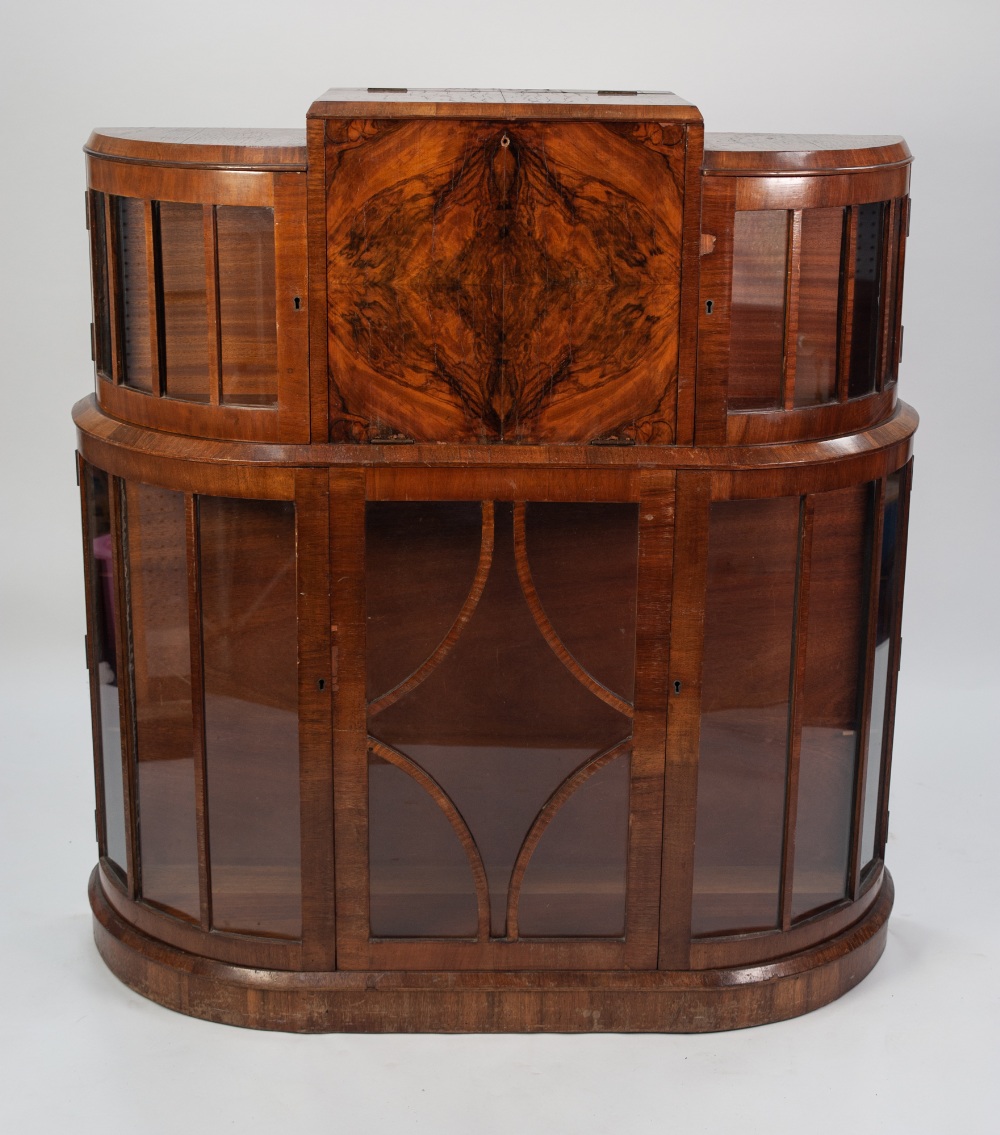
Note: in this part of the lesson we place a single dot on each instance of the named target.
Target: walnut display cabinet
(494, 510)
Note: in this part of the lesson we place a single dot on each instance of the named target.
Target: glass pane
(157, 554)
(896, 293)
(749, 612)
(496, 718)
(831, 702)
(251, 713)
(442, 539)
(134, 274)
(819, 304)
(419, 878)
(867, 297)
(579, 556)
(102, 631)
(247, 306)
(757, 335)
(575, 881)
(99, 274)
(185, 307)
(888, 592)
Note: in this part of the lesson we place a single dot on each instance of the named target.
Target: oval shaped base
(538, 1001)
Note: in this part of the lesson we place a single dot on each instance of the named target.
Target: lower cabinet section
(369, 740)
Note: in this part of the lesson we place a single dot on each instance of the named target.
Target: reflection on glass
(247, 555)
(749, 612)
(575, 881)
(819, 299)
(247, 314)
(867, 297)
(102, 631)
(161, 682)
(102, 291)
(888, 592)
(134, 277)
(185, 306)
(830, 699)
(757, 335)
(493, 715)
(420, 882)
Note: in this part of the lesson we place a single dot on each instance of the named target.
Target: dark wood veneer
(434, 431)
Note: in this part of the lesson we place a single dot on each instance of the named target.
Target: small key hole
(298, 303)
(677, 687)
(321, 684)
(709, 304)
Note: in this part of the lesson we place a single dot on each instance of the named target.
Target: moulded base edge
(559, 1001)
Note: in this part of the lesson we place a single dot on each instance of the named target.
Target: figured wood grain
(499, 282)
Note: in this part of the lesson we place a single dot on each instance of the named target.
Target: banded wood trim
(557, 472)
(211, 234)
(802, 423)
(847, 305)
(350, 727)
(126, 695)
(800, 642)
(792, 277)
(690, 582)
(182, 184)
(154, 298)
(218, 945)
(717, 220)
(657, 502)
(319, 371)
(115, 315)
(887, 295)
(544, 817)
(92, 664)
(458, 824)
(291, 284)
(444, 647)
(315, 693)
(545, 627)
(192, 419)
(874, 571)
(193, 555)
(821, 191)
(763, 946)
(689, 298)
(882, 819)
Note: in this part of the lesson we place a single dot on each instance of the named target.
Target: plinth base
(536, 1001)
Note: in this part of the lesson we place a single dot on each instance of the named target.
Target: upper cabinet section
(497, 267)
(505, 266)
(802, 246)
(198, 248)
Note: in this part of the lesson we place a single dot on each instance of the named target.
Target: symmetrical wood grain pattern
(503, 282)
(494, 621)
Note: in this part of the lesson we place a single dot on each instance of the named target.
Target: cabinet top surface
(403, 102)
(763, 153)
(230, 148)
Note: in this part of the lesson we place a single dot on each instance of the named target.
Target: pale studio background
(913, 1049)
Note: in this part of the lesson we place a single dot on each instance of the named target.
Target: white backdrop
(913, 1048)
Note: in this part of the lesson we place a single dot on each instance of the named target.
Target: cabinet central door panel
(503, 281)
(496, 782)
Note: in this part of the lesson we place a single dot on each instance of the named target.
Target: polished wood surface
(496, 573)
(503, 282)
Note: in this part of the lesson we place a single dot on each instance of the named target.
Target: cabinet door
(499, 740)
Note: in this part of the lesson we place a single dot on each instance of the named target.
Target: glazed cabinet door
(499, 716)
